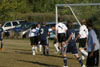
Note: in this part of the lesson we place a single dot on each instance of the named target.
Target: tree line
(32, 10)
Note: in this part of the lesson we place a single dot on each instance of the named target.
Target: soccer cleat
(83, 65)
(65, 66)
(83, 57)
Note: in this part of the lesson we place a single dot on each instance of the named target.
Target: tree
(6, 6)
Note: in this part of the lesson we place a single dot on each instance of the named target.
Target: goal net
(76, 12)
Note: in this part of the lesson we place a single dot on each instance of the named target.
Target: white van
(11, 24)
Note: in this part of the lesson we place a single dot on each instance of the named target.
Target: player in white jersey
(60, 31)
(83, 34)
(33, 38)
(38, 37)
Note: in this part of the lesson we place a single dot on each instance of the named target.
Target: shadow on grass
(4, 52)
(23, 52)
(57, 56)
(39, 63)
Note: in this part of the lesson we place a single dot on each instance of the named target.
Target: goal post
(69, 6)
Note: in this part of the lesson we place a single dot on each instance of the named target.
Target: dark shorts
(36, 40)
(72, 48)
(93, 61)
(61, 37)
(82, 43)
(55, 41)
(44, 41)
(1, 39)
(33, 40)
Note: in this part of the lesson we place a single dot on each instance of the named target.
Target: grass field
(17, 53)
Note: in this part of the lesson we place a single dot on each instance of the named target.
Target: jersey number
(42, 30)
(73, 36)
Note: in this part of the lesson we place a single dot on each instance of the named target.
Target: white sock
(83, 57)
(40, 46)
(84, 52)
(36, 48)
(56, 46)
(33, 49)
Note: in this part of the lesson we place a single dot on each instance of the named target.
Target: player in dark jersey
(43, 37)
(1, 37)
(71, 45)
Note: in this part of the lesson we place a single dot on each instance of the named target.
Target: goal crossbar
(88, 4)
(69, 6)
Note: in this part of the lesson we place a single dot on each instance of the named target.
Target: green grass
(17, 53)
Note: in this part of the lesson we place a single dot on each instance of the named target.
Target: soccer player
(38, 37)
(32, 35)
(92, 47)
(71, 45)
(1, 37)
(60, 31)
(55, 43)
(43, 38)
(83, 34)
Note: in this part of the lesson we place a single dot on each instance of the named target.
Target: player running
(60, 31)
(83, 34)
(43, 38)
(55, 43)
(38, 37)
(1, 37)
(33, 38)
(71, 45)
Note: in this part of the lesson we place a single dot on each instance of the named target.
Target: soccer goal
(79, 11)
(78, 6)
